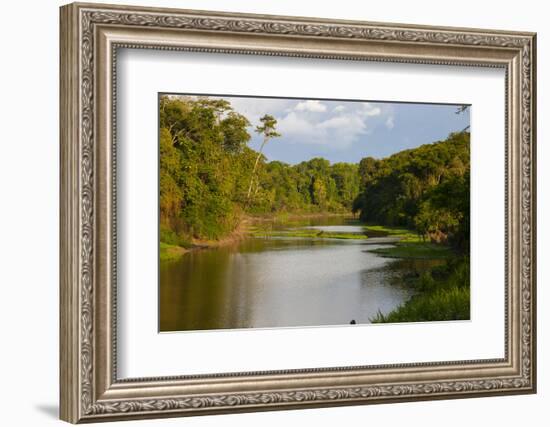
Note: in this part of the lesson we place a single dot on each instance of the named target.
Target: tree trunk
(254, 169)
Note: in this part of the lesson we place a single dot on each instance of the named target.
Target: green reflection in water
(282, 282)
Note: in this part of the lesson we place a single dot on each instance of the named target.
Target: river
(284, 281)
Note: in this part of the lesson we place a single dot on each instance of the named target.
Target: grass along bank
(405, 235)
(169, 252)
(307, 234)
(410, 245)
(265, 229)
(267, 226)
(416, 250)
(173, 247)
(442, 293)
(295, 225)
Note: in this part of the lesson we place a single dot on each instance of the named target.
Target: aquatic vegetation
(443, 293)
(170, 252)
(415, 250)
(309, 234)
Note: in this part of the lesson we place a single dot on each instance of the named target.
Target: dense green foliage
(210, 178)
(202, 144)
(426, 189)
(311, 186)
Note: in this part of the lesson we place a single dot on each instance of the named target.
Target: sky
(346, 131)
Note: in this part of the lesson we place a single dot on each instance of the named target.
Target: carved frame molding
(90, 37)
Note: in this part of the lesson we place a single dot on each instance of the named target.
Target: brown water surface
(283, 282)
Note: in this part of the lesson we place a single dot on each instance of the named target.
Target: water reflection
(281, 282)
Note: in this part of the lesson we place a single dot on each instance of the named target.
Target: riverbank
(307, 234)
(170, 252)
(404, 234)
(286, 217)
(415, 250)
(441, 293)
(257, 226)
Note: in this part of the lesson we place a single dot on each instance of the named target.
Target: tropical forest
(250, 242)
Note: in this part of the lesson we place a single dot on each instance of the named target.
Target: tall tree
(267, 129)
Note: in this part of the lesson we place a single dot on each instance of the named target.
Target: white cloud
(370, 110)
(335, 125)
(337, 131)
(341, 122)
(311, 105)
(293, 124)
(254, 108)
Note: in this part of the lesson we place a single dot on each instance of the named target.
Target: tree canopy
(206, 170)
(426, 189)
(210, 178)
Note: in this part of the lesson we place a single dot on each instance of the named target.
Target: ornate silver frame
(90, 36)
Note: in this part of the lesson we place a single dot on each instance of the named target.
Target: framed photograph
(267, 212)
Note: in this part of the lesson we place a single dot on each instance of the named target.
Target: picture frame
(91, 35)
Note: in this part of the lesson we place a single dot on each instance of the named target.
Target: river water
(283, 281)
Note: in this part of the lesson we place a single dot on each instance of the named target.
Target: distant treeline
(426, 189)
(208, 180)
